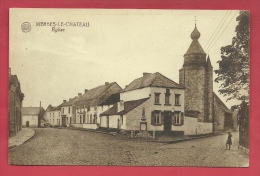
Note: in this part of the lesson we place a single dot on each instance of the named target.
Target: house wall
(15, 115)
(33, 120)
(68, 112)
(219, 116)
(133, 118)
(89, 126)
(54, 118)
(135, 94)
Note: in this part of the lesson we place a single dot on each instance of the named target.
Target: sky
(117, 46)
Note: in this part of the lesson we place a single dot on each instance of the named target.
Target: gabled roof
(71, 102)
(218, 100)
(152, 80)
(128, 106)
(31, 110)
(111, 100)
(98, 95)
(57, 108)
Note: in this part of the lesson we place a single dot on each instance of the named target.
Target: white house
(93, 102)
(53, 115)
(31, 116)
(151, 103)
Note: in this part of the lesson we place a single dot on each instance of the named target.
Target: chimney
(106, 83)
(86, 90)
(120, 106)
(79, 94)
(64, 101)
(145, 74)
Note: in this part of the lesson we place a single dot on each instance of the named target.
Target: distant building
(196, 76)
(53, 115)
(15, 105)
(32, 117)
(93, 102)
(68, 111)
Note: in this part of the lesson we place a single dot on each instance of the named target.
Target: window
(59, 114)
(50, 114)
(90, 118)
(157, 98)
(122, 119)
(84, 119)
(62, 110)
(95, 119)
(80, 119)
(167, 97)
(69, 110)
(178, 118)
(177, 99)
(156, 118)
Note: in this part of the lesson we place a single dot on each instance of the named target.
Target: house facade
(53, 115)
(15, 100)
(32, 116)
(68, 111)
(93, 102)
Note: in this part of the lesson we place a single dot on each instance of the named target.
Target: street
(51, 146)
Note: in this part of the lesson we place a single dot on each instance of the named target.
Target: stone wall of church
(194, 83)
(209, 94)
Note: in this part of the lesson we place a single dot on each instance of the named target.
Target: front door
(167, 121)
(63, 121)
(27, 124)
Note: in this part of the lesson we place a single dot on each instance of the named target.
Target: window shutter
(173, 118)
(182, 118)
(152, 118)
(162, 117)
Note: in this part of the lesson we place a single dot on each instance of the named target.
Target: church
(196, 76)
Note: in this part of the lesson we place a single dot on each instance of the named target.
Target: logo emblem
(26, 27)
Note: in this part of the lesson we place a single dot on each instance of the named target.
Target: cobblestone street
(51, 146)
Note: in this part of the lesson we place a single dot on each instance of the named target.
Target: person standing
(229, 141)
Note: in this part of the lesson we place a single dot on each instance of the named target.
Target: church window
(157, 98)
(177, 99)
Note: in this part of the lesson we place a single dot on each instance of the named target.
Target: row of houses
(152, 102)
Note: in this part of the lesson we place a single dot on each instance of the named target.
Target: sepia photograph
(129, 87)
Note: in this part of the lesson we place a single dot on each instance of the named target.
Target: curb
(14, 146)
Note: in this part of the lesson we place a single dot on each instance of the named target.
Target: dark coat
(229, 141)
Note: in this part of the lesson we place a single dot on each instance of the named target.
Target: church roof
(152, 80)
(195, 47)
(31, 110)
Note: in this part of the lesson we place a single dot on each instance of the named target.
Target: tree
(234, 71)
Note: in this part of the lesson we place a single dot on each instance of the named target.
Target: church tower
(196, 76)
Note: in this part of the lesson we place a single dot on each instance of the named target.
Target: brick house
(196, 76)
(32, 116)
(15, 100)
(93, 102)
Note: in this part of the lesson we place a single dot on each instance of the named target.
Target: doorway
(167, 121)
(27, 124)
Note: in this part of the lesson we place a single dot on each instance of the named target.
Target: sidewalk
(160, 139)
(22, 136)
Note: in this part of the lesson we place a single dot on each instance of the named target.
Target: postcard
(125, 87)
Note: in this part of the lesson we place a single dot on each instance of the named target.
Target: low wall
(77, 125)
(193, 127)
(90, 126)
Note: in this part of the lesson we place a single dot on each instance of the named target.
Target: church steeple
(195, 55)
(195, 47)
